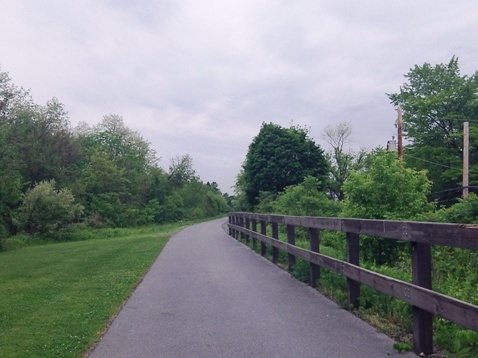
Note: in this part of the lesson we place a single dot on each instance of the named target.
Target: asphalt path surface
(208, 295)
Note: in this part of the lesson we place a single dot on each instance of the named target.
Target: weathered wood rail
(425, 302)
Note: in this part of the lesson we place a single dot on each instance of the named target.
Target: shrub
(45, 210)
(387, 190)
(464, 211)
(306, 199)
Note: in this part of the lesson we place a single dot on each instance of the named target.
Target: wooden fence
(425, 302)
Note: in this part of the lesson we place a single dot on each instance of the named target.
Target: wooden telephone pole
(399, 135)
(466, 160)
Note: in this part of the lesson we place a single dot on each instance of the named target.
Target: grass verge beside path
(56, 299)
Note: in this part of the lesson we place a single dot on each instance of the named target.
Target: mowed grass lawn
(56, 299)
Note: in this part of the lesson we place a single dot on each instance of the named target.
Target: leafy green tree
(230, 200)
(187, 197)
(387, 190)
(123, 145)
(279, 157)
(35, 145)
(436, 100)
(45, 210)
(181, 171)
(158, 190)
(10, 185)
(118, 172)
(342, 161)
(103, 190)
(10, 179)
(216, 203)
(173, 208)
(11, 96)
(199, 200)
(42, 141)
(240, 201)
(7, 92)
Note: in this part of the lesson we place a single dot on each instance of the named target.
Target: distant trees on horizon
(107, 174)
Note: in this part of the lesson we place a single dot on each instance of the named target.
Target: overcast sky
(200, 77)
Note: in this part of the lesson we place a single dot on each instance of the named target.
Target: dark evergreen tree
(279, 157)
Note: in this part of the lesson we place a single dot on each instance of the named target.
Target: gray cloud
(200, 77)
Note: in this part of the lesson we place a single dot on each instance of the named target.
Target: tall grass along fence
(425, 302)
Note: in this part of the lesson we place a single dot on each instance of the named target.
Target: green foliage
(10, 188)
(334, 240)
(181, 171)
(305, 199)
(193, 200)
(436, 100)
(110, 169)
(301, 270)
(277, 158)
(465, 211)
(334, 286)
(403, 346)
(45, 210)
(200, 201)
(387, 190)
(391, 311)
(454, 274)
(42, 142)
(462, 343)
(103, 189)
(266, 202)
(118, 165)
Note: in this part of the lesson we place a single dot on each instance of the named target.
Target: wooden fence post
(254, 228)
(275, 235)
(314, 239)
(263, 232)
(234, 231)
(248, 227)
(230, 222)
(353, 287)
(291, 240)
(422, 320)
(241, 224)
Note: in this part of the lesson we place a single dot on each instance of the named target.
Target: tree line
(435, 100)
(53, 175)
(108, 175)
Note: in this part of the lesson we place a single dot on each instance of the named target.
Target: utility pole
(399, 136)
(466, 160)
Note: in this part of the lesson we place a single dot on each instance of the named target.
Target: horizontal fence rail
(419, 293)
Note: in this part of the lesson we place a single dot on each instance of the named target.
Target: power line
(455, 189)
(461, 120)
(429, 161)
(439, 164)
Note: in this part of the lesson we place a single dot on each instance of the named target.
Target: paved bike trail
(208, 295)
